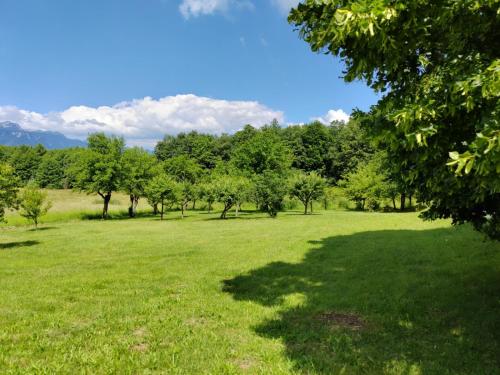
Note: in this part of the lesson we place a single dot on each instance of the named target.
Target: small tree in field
(208, 193)
(270, 191)
(138, 169)
(161, 190)
(186, 193)
(307, 188)
(33, 204)
(8, 189)
(368, 183)
(230, 191)
(101, 168)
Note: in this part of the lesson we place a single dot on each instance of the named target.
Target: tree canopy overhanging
(437, 63)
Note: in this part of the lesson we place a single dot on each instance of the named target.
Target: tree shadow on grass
(121, 215)
(41, 229)
(396, 302)
(12, 245)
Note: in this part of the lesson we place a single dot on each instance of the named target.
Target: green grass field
(337, 292)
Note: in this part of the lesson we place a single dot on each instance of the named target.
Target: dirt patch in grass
(141, 348)
(244, 364)
(140, 332)
(342, 320)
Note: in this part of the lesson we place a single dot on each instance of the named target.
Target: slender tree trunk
(134, 201)
(325, 203)
(237, 209)
(106, 198)
(410, 197)
(363, 204)
(162, 209)
(306, 205)
(403, 202)
(209, 206)
(183, 205)
(194, 204)
(394, 203)
(155, 209)
(311, 204)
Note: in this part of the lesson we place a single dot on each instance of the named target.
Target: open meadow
(335, 292)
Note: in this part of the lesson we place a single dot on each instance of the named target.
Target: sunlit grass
(248, 295)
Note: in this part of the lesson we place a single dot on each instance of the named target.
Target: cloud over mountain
(144, 121)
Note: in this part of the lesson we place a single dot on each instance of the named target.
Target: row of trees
(108, 166)
(193, 166)
(331, 151)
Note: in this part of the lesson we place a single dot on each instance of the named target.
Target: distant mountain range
(11, 134)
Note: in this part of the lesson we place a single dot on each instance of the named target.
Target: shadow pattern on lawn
(12, 245)
(422, 302)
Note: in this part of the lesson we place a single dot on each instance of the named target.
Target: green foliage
(56, 167)
(183, 168)
(368, 182)
(230, 191)
(440, 65)
(162, 190)
(307, 188)
(350, 146)
(186, 193)
(310, 145)
(270, 192)
(200, 147)
(25, 160)
(33, 204)
(9, 184)
(101, 168)
(138, 169)
(264, 151)
(208, 193)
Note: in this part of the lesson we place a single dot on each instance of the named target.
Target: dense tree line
(262, 166)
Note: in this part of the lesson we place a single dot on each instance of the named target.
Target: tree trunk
(209, 206)
(237, 209)
(325, 203)
(183, 205)
(106, 198)
(311, 204)
(131, 207)
(155, 209)
(363, 204)
(409, 197)
(194, 204)
(306, 204)
(394, 203)
(162, 209)
(403, 202)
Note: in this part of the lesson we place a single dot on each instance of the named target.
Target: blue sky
(66, 65)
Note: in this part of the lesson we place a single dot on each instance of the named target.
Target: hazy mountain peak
(11, 134)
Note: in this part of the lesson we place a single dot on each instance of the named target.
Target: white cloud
(195, 8)
(333, 115)
(284, 6)
(144, 121)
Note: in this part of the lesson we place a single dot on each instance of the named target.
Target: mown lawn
(332, 293)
